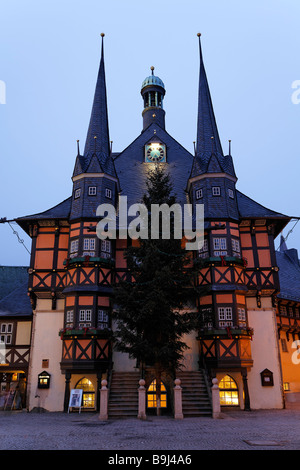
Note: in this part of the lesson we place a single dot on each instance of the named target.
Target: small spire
(78, 151)
(229, 151)
(152, 70)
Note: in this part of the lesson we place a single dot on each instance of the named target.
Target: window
(151, 395)
(216, 191)
(242, 317)
(229, 394)
(286, 386)
(77, 193)
(6, 330)
(102, 319)
(108, 193)
(220, 246)
(203, 252)
(225, 317)
(105, 249)
(206, 318)
(74, 248)
(230, 193)
(88, 394)
(282, 310)
(92, 190)
(85, 317)
(236, 250)
(199, 193)
(284, 345)
(291, 312)
(69, 318)
(89, 246)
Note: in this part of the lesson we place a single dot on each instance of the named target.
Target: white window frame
(70, 317)
(225, 316)
(231, 193)
(236, 248)
(77, 193)
(199, 193)
(203, 252)
(105, 249)
(74, 244)
(220, 246)
(92, 190)
(6, 330)
(216, 191)
(89, 246)
(102, 319)
(85, 317)
(242, 319)
(108, 193)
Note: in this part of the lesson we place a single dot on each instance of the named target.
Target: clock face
(155, 153)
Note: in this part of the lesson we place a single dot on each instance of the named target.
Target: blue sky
(50, 54)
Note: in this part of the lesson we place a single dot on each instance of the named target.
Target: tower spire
(206, 126)
(98, 126)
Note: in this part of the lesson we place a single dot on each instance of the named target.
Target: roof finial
(212, 144)
(78, 151)
(95, 140)
(152, 69)
(229, 147)
(102, 35)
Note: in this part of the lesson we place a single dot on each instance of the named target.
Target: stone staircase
(123, 395)
(195, 396)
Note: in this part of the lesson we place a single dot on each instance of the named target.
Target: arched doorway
(88, 394)
(152, 396)
(229, 392)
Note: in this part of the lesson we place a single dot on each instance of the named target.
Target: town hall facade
(73, 272)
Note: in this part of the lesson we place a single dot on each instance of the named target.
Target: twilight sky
(49, 58)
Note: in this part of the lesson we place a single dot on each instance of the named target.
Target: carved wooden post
(178, 400)
(142, 400)
(103, 401)
(215, 393)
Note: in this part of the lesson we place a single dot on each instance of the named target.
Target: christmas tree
(152, 311)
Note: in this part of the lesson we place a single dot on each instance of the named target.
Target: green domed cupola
(153, 92)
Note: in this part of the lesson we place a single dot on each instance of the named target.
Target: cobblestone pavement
(237, 430)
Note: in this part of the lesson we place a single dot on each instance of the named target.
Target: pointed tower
(94, 177)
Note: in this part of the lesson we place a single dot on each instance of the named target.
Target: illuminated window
(229, 394)
(88, 395)
(151, 395)
(286, 386)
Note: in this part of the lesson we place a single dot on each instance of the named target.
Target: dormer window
(77, 193)
(231, 193)
(92, 190)
(216, 191)
(199, 193)
(108, 193)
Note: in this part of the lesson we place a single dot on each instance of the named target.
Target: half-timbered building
(72, 271)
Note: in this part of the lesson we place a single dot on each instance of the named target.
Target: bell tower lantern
(153, 92)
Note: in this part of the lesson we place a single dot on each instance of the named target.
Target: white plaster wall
(46, 344)
(265, 355)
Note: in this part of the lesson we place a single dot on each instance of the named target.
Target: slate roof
(97, 155)
(60, 211)
(14, 300)
(208, 140)
(289, 274)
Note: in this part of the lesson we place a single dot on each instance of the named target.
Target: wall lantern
(267, 378)
(44, 380)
